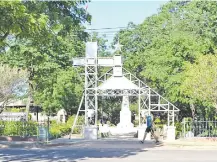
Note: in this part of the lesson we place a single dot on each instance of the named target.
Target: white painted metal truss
(149, 100)
(117, 82)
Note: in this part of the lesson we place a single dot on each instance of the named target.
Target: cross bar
(106, 61)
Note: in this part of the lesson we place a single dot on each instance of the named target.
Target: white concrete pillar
(141, 132)
(171, 133)
(91, 132)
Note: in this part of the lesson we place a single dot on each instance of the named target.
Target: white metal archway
(117, 82)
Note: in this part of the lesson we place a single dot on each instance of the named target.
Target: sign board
(117, 60)
(13, 116)
(42, 133)
(91, 50)
(91, 61)
(105, 62)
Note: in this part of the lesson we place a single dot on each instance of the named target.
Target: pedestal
(171, 133)
(125, 115)
(125, 119)
(141, 132)
(90, 132)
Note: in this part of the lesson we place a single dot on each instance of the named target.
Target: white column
(171, 133)
(139, 103)
(90, 132)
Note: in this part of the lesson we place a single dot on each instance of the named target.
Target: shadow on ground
(78, 152)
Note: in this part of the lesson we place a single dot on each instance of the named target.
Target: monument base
(125, 126)
(171, 133)
(90, 132)
(125, 119)
(122, 131)
(141, 132)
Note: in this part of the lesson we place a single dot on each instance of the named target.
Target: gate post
(184, 133)
(171, 133)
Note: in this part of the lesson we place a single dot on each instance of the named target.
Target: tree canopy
(162, 48)
(43, 37)
(173, 51)
(12, 84)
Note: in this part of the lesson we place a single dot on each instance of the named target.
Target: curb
(191, 144)
(68, 143)
(164, 148)
(38, 145)
(18, 146)
(61, 144)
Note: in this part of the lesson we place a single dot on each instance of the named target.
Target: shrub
(18, 128)
(136, 123)
(159, 123)
(15, 110)
(179, 128)
(60, 129)
(56, 130)
(79, 123)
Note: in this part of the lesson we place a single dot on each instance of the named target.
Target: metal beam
(148, 98)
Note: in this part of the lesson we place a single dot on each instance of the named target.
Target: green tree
(158, 49)
(52, 48)
(63, 89)
(12, 84)
(17, 22)
(201, 81)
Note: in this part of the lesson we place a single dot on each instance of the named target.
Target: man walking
(150, 125)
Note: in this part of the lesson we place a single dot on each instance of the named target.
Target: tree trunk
(2, 108)
(30, 90)
(192, 107)
(28, 107)
(215, 106)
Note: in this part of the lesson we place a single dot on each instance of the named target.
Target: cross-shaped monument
(116, 82)
(91, 63)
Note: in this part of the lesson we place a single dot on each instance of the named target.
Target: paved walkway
(52, 143)
(117, 150)
(169, 145)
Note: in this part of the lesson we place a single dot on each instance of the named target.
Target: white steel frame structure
(148, 99)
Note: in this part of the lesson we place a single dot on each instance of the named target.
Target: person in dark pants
(150, 129)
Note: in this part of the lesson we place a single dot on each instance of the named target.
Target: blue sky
(113, 13)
